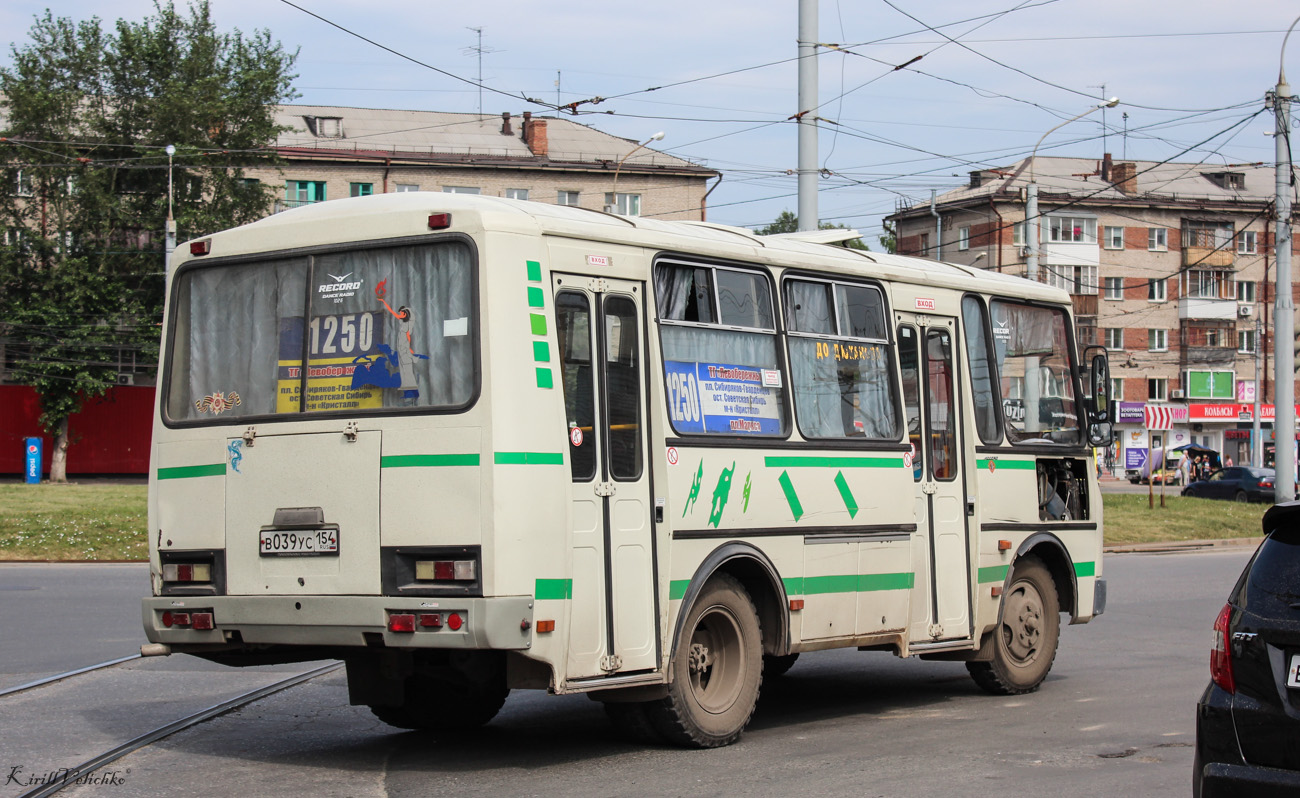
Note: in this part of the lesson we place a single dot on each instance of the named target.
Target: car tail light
(1221, 652)
(1266, 482)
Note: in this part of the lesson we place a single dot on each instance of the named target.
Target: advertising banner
(338, 346)
(722, 397)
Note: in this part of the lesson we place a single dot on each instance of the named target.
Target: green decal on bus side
(748, 483)
(849, 583)
(1007, 465)
(833, 462)
(186, 472)
(677, 589)
(544, 378)
(695, 489)
(993, 573)
(536, 299)
(1085, 569)
(538, 322)
(528, 458)
(553, 589)
(428, 460)
(846, 494)
(534, 271)
(720, 494)
(541, 352)
(790, 496)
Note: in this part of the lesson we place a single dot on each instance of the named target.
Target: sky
(719, 79)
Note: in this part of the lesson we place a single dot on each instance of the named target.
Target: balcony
(1208, 356)
(1084, 304)
(1207, 308)
(1207, 256)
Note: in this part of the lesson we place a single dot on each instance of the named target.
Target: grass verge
(107, 522)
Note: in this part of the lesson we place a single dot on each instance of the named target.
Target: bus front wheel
(716, 671)
(1024, 642)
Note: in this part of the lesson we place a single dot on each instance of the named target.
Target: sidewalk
(1170, 546)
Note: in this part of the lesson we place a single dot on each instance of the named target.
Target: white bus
(468, 445)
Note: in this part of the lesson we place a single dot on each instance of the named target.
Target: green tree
(787, 222)
(889, 239)
(86, 116)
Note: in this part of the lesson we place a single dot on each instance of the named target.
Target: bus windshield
(1032, 355)
(386, 328)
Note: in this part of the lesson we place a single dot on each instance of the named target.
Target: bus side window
(910, 360)
(623, 388)
(573, 329)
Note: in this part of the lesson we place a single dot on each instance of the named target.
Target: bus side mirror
(1101, 419)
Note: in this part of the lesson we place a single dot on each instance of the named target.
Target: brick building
(1170, 266)
(332, 152)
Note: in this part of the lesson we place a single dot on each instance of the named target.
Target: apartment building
(1170, 266)
(332, 152)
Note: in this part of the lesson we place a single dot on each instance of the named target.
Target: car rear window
(1274, 576)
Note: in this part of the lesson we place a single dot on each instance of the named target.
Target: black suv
(1248, 719)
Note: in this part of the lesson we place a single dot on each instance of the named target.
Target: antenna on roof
(479, 50)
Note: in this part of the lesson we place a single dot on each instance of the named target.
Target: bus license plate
(298, 542)
(1293, 672)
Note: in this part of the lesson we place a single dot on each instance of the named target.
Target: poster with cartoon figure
(391, 366)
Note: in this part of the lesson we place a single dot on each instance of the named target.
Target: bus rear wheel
(1029, 627)
(716, 671)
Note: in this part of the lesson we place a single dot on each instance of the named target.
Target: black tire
(716, 670)
(774, 665)
(1240, 496)
(633, 721)
(464, 691)
(1028, 630)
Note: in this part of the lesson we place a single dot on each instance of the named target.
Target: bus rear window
(378, 329)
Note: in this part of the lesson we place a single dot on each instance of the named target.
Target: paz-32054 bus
(468, 445)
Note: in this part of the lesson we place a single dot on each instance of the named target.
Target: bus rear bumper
(501, 623)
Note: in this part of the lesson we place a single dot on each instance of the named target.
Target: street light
(170, 244)
(612, 207)
(1283, 307)
(1031, 199)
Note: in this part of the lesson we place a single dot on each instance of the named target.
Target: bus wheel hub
(700, 660)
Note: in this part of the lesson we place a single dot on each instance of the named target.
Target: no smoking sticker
(672, 455)
(575, 436)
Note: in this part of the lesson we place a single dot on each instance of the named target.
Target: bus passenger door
(927, 351)
(601, 334)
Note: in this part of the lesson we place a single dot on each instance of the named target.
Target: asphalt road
(1114, 717)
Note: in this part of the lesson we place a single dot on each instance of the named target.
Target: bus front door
(600, 325)
(927, 351)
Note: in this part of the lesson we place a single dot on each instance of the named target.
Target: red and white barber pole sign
(1158, 418)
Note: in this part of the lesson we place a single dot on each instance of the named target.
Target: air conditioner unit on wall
(1176, 393)
(1245, 311)
(126, 379)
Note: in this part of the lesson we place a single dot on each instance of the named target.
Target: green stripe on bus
(1085, 569)
(528, 458)
(993, 573)
(1007, 465)
(833, 462)
(553, 589)
(538, 323)
(677, 589)
(186, 472)
(846, 494)
(849, 583)
(544, 378)
(427, 460)
(790, 496)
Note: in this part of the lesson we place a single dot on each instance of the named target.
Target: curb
(1173, 546)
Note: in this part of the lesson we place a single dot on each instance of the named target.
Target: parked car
(1168, 476)
(1237, 483)
(1248, 719)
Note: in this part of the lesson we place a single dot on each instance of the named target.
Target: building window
(1071, 230)
(1114, 287)
(625, 204)
(361, 189)
(1209, 284)
(1075, 279)
(304, 192)
(1117, 389)
(566, 198)
(23, 183)
(1114, 337)
(1246, 342)
(1018, 234)
(1157, 239)
(402, 188)
(1158, 340)
(1114, 238)
(1245, 291)
(1157, 290)
(460, 189)
(517, 193)
(1246, 242)
(963, 238)
(1158, 389)
(1207, 235)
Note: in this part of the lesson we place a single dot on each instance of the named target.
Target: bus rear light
(546, 626)
(439, 221)
(796, 605)
(446, 570)
(170, 619)
(1004, 545)
(200, 247)
(454, 622)
(203, 620)
(430, 620)
(187, 572)
(401, 622)
(995, 591)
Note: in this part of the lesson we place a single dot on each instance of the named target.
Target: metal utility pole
(807, 115)
(1256, 437)
(1284, 306)
(169, 245)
